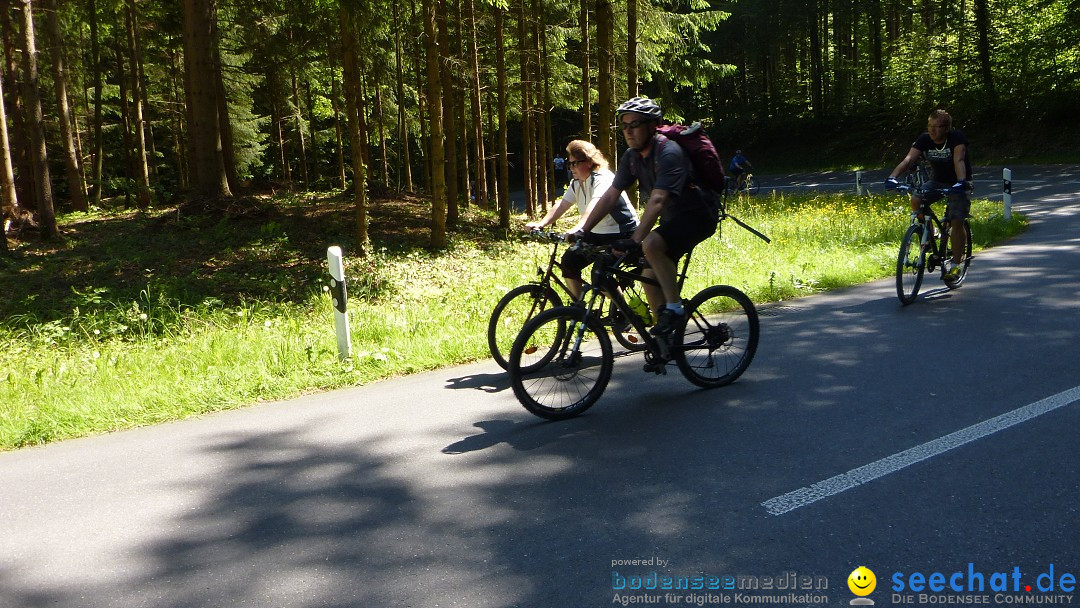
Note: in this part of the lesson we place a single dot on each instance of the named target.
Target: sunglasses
(574, 163)
(626, 126)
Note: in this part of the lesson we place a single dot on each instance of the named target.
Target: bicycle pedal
(659, 368)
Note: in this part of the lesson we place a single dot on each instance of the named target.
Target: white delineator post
(338, 295)
(858, 183)
(1006, 176)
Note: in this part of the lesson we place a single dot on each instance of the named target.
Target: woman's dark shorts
(573, 262)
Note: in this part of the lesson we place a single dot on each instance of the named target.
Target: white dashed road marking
(890, 464)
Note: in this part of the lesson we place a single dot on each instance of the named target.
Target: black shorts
(684, 231)
(958, 205)
(573, 262)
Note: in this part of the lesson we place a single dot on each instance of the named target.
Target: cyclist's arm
(554, 214)
(959, 153)
(657, 199)
(912, 156)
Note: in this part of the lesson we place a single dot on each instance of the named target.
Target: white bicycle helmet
(641, 105)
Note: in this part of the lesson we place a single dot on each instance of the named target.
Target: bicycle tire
(570, 379)
(910, 265)
(967, 258)
(512, 312)
(720, 337)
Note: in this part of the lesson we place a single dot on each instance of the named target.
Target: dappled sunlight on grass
(173, 318)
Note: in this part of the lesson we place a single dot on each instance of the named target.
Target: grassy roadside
(139, 319)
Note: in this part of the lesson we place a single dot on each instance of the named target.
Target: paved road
(839, 447)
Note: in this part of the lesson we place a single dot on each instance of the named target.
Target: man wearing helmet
(666, 181)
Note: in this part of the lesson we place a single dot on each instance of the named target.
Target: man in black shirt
(946, 149)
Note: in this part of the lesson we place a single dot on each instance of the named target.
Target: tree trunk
(403, 139)
(542, 95)
(504, 153)
(19, 136)
(298, 123)
(382, 136)
(39, 157)
(477, 112)
(449, 101)
(816, 70)
(125, 122)
(200, 45)
(335, 96)
(436, 136)
(586, 96)
(982, 24)
(224, 126)
(96, 150)
(631, 48)
(461, 105)
(353, 110)
(9, 199)
(528, 166)
(277, 120)
(605, 82)
(76, 189)
(179, 124)
(309, 99)
(138, 97)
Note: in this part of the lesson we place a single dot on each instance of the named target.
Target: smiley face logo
(862, 581)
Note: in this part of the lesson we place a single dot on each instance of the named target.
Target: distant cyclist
(666, 181)
(738, 168)
(946, 149)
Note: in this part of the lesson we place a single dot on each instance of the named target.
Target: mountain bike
(526, 301)
(926, 247)
(747, 185)
(562, 360)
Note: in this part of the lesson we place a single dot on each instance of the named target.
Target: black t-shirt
(941, 156)
(668, 168)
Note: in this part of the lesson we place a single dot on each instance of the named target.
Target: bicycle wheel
(967, 258)
(568, 378)
(719, 339)
(512, 312)
(910, 265)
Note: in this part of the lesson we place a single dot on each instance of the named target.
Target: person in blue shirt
(947, 150)
(739, 166)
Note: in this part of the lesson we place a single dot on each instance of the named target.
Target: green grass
(140, 319)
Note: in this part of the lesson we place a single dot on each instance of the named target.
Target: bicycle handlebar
(905, 188)
(544, 235)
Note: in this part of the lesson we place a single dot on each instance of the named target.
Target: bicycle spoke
(566, 378)
(720, 337)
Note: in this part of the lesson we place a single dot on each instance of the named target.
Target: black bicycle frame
(607, 277)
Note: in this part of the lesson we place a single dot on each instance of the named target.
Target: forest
(134, 104)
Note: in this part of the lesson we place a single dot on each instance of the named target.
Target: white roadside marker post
(338, 296)
(1006, 176)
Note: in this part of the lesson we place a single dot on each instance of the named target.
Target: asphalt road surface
(937, 438)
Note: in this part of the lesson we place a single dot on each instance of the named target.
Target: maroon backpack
(706, 162)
